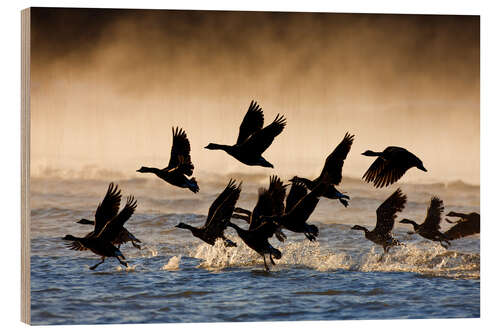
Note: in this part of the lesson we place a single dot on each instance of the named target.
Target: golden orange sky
(108, 85)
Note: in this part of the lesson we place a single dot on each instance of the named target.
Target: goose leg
(447, 243)
(242, 210)
(124, 263)
(386, 251)
(228, 242)
(344, 202)
(95, 266)
(312, 238)
(441, 238)
(137, 246)
(271, 258)
(241, 217)
(265, 263)
(280, 235)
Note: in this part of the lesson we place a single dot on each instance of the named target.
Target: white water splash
(151, 251)
(304, 253)
(429, 259)
(173, 264)
(313, 255)
(219, 256)
(129, 268)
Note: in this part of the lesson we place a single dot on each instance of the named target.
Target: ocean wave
(93, 172)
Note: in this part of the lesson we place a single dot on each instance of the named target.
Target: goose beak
(422, 168)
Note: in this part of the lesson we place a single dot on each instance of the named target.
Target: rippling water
(178, 278)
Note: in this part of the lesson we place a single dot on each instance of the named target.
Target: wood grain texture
(25, 165)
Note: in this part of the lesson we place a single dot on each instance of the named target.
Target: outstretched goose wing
(270, 202)
(180, 153)
(221, 210)
(264, 207)
(297, 192)
(108, 208)
(388, 169)
(112, 228)
(76, 246)
(332, 170)
(252, 122)
(277, 190)
(433, 217)
(469, 224)
(259, 141)
(374, 170)
(386, 212)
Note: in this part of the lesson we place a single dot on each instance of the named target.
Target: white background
(490, 127)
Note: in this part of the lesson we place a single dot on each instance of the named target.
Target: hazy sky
(108, 85)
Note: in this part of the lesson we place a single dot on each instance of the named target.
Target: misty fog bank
(109, 96)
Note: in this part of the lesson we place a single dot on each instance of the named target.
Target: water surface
(178, 278)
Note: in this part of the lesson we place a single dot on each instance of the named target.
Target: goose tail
(311, 232)
(276, 253)
(193, 185)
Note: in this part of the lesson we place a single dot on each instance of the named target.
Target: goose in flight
(332, 171)
(253, 138)
(390, 165)
(180, 166)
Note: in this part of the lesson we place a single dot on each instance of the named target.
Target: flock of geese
(274, 210)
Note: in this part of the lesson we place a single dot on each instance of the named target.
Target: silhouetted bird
(100, 247)
(258, 240)
(430, 228)
(299, 206)
(101, 243)
(386, 214)
(332, 171)
(271, 202)
(390, 165)
(253, 140)
(219, 215)
(180, 164)
(469, 224)
(106, 210)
